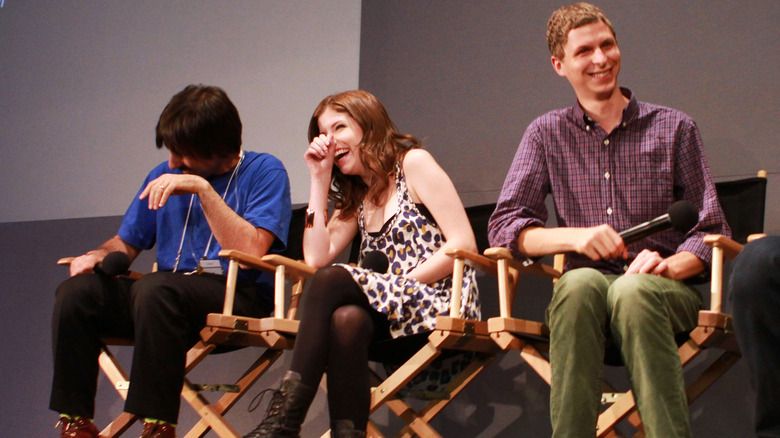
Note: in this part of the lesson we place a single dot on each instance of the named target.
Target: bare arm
(600, 242)
(230, 230)
(603, 242)
(322, 242)
(428, 183)
(85, 263)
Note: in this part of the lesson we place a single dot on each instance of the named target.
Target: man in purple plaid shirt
(610, 162)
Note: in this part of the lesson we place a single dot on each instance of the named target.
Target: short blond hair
(571, 17)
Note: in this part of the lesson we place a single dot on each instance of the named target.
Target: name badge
(209, 267)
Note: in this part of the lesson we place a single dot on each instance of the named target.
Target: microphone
(376, 261)
(682, 216)
(113, 264)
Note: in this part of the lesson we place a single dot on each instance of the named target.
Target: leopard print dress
(408, 239)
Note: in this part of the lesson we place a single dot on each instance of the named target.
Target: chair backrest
(478, 217)
(294, 248)
(743, 203)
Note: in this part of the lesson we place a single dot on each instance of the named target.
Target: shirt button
(606, 175)
(609, 211)
(606, 142)
(587, 127)
(623, 124)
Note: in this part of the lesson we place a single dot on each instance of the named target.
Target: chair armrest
(66, 261)
(721, 246)
(474, 260)
(283, 268)
(729, 247)
(269, 263)
(500, 263)
(539, 269)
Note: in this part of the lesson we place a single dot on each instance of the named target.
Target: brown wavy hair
(381, 147)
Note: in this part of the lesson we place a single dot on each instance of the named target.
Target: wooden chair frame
(275, 333)
(714, 331)
(450, 334)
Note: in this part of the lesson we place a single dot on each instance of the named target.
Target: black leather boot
(345, 429)
(287, 409)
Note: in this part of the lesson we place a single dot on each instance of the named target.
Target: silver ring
(162, 187)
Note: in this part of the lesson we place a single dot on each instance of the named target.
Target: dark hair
(381, 148)
(200, 121)
(571, 17)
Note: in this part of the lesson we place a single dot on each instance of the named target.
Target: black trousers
(162, 312)
(754, 290)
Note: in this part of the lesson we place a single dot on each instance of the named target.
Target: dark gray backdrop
(465, 76)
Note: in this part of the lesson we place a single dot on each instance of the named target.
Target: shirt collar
(630, 112)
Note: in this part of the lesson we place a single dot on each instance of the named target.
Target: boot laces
(274, 415)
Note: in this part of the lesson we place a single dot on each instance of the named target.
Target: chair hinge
(241, 325)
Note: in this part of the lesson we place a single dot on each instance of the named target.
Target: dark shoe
(78, 428)
(158, 429)
(345, 429)
(287, 409)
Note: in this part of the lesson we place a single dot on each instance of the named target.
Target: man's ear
(557, 65)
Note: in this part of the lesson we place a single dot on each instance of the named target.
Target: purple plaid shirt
(650, 160)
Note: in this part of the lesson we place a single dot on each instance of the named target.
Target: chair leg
(396, 381)
(453, 389)
(119, 426)
(228, 400)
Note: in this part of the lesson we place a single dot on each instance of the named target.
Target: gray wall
(83, 84)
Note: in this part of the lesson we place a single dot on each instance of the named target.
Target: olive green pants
(640, 313)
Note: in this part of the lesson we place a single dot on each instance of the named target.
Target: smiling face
(347, 138)
(591, 61)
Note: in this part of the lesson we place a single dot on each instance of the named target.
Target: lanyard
(189, 210)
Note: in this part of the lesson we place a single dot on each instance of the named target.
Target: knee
(755, 273)
(351, 324)
(628, 291)
(579, 287)
(72, 293)
(327, 279)
(330, 275)
(154, 289)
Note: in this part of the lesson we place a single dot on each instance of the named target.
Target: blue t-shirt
(259, 193)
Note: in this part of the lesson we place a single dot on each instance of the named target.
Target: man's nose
(174, 161)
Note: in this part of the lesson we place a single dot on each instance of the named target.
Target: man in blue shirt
(209, 195)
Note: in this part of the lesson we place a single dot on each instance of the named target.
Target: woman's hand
(320, 155)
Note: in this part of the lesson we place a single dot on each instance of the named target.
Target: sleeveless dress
(409, 238)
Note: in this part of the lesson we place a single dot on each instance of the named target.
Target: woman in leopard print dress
(392, 192)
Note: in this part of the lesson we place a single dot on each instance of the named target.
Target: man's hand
(84, 264)
(649, 262)
(160, 189)
(600, 242)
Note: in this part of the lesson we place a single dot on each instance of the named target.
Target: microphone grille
(683, 216)
(115, 263)
(377, 261)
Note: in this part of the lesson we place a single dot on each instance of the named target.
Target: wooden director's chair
(225, 331)
(452, 335)
(743, 204)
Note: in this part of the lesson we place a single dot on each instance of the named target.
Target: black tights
(337, 326)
